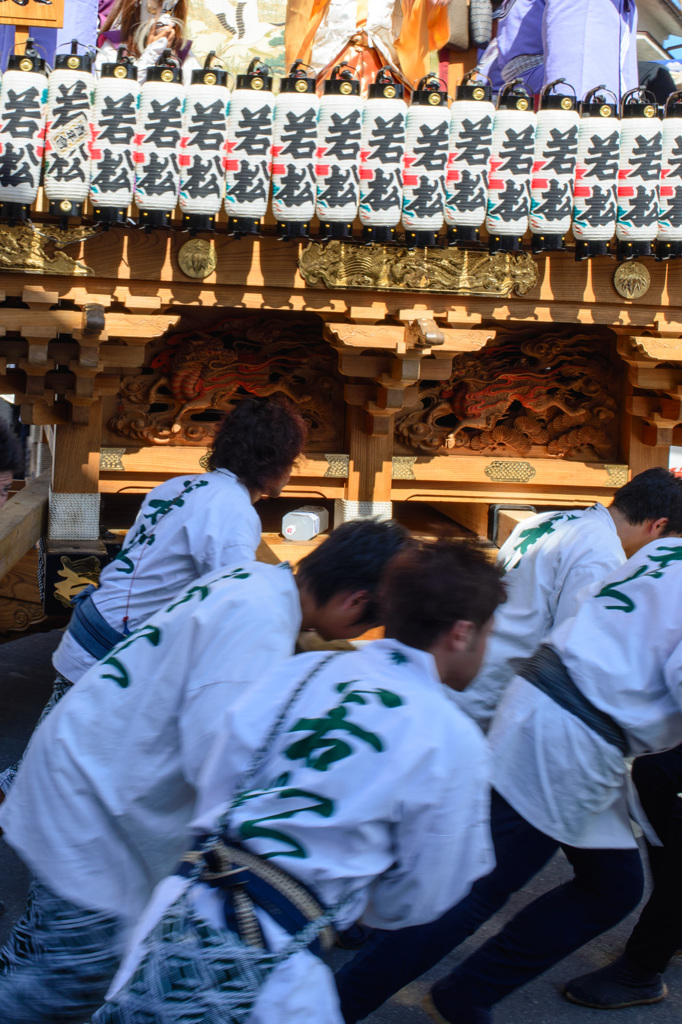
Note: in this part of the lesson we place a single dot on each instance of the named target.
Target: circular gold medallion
(73, 63)
(478, 93)
(605, 110)
(301, 86)
(631, 280)
(210, 78)
(197, 258)
(650, 111)
(522, 104)
(257, 83)
(434, 99)
(65, 205)
(119, 71)
(389, 92)
(567, 103)
(345, 88)
(166, 76)
(26, 65)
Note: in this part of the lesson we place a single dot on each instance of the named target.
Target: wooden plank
(473, 517)
(265, 553)
(370, 468)
(23, 521)
(49, 323)
(507, 521)
(187, 459)
(471, 469)
(387, 336)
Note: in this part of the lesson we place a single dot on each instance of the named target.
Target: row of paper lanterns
(600, 170)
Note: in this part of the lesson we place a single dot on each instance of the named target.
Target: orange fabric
(426, 27)
(303, 19)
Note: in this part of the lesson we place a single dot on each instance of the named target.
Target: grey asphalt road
(25, 684)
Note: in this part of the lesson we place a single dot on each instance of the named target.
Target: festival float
(475, 304)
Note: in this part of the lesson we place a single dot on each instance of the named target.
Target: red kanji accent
(496, 183)
(623, 173)
(279, 168)
(582, 190)
(410, 179)
(231, 165)
(627, 191)
(276, 150)
(322, 170)
(366, 173)
(138, 157)
(667, 191)
(96, 154)
(184, 159)
(138, 139)
(538, 165)
(580, 173)
(539, 183)
(408, 161)
(453, 175)
(321, 150)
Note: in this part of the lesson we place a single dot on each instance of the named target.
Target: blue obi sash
(89, 628)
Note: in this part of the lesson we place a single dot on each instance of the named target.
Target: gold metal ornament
(210, 78)
(197, 258)
(345, 88)
(631, 280)
(649, 111)
(301, 86)
(522, 104)
(387, 268)
(510, 472)
(605, 110)
(389, 92)
(617, 474)
(22, 250)
(119, 71)
(478, 93)
(65, 205)
(257, 83)
(566, 103)
(26, 65)
(434, 99)
(73, 63)
(166, 76)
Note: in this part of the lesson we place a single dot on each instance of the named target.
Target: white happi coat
(375, 791)
(186, 527)
(623, 650)
(100, 807)
(547, 560)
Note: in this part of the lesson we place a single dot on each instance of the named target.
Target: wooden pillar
(634, 452)
(368, 488)
(74, 496)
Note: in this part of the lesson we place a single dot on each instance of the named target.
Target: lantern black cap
(515, 96)
(210, 76)
(673, 105)
(382, 234)
(547, 243)
(335, 229)
(668, 250)
(386, 86)
(553, 100)
(165, 73)
(599, 102)
(632, 250)
(638, 103)
(240, 226)
(257, 77)
(14, 212)
(297, 80)
(289, 231)
(152, 219)
(26, 62)
(73, 62)
(587, 249)
(109, 216)
(64, 208)
(474, 86)
(194, 222)
(463, 235)
(421, 239)
(121, 69)
(342, 82)
(429, 93)
(504, 243)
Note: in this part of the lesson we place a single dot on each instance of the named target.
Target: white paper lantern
(427, 131)
(23, 102)
(339, 136)
(381, 158)
(203, 148)
(67, 134)
(249, 150)
(638, 175)
(511, 163)
(466, 181)
(157, 145)
(551, 186)
(596, 174)
(669, 242)
(114, 123)
(293, 153)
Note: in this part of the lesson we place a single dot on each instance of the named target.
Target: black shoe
(617, 986)
(467, 1014)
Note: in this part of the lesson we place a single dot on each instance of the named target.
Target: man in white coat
(101, 804)
(605, 685)
(550, 558)
(371, 791)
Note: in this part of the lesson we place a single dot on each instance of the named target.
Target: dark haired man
(548, 561)
(605, 684)
(373, 792)
(10, 460)
(101, 803)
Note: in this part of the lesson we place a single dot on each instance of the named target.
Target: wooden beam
(23, 521)
(371, 466)
(36, 324)
(75, 464)
(507, 521)
(473, 517)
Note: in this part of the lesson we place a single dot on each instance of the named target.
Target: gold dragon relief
(29, 249)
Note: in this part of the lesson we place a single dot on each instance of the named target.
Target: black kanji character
(22, 113)
(432, 147)
(343, 136)
(340, 187)
(14, 169)
(254, 131)
(299, 135)
(473, 141)
(513, 203)
(207, 127)
(296, 186)
(203, 178)
(516, 152)
(602, 157)
(164, 123)
(643, 208)
(469, 193)
(117, 120)
(113, 173)
(672, 213)
(560, 150)
(61, 169)
(71, 99)
(599, 207)
(249, 182)
(646, 158)
(387, 139)
(556, 202)
(675, 160)
(427, 198)
(158, 176)
(382, 191)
